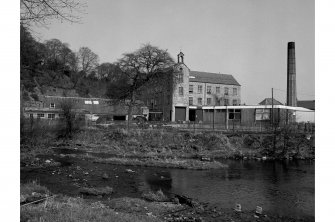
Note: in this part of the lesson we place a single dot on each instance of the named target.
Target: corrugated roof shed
(217, 78)
(268, 101)
(309, 104)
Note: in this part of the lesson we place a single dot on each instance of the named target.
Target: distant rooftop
(217, 78)
(268, 101)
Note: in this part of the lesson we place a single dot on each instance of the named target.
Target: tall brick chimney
(291, 99)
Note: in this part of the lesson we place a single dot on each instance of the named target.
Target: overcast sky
(245, 38)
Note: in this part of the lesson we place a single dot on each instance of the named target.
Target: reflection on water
(284, 188)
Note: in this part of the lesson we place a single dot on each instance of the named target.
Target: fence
(202, 127)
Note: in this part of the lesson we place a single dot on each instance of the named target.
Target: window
(180, 77)
(31, 115)
(209, 89)
(226, 90)
(96, 102)
(200, 101)
(200, 89)
(181, 91)
(190, 101)
(88, 102)
(217, 90)
(234, 114)
(190, 89)
(209, 101)
(51, 115)
(234, 102)
(262, 114)
(234, 91)
(52, 105)
(40, 115)
(226, 102)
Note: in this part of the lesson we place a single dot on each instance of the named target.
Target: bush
(158, 196)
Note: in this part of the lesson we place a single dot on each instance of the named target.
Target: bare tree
(59, 57)
(69, 118)
(39, 11)
(147, 65)
(87, 60)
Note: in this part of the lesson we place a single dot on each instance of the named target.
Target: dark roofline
(211, 73)
(216, 83)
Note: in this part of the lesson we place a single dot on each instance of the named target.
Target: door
(180, 114)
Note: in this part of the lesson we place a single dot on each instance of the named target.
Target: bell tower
(180, 57)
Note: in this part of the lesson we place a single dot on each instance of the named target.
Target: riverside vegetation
(165, 147)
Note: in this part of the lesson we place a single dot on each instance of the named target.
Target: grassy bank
(154, 207)
(63, 208)
(159, 145)
(173, 143)
(164, 163)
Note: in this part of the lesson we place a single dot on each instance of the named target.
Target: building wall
(221, 95)
(100, 106)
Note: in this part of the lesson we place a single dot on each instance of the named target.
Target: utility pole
(272, 120)
(272, 113)
(213, 115)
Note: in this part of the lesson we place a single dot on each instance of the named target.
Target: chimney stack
(291, 76)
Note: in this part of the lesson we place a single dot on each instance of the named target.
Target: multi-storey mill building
(192, 91)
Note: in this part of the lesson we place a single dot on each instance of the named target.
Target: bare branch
(39, 11)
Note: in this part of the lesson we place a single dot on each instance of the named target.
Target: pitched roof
(208, 77)
(309, 104)
(268, 101)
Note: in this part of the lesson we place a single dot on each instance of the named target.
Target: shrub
(157, 196)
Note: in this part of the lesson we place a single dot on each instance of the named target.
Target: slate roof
(308, 104)
(217, 78)
(268, 101)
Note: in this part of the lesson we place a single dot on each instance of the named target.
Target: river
(279, 187)
(284, 188)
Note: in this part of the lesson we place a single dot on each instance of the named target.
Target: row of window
(87, 102)
(42, 115)
(209, 102)
(232, 113)
(209, 90)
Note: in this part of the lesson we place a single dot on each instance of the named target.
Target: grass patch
(32, 191)
(65, 209)
(101, 191)
(140, 206)
(164, 163)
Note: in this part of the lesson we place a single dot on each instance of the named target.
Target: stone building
(190, 92)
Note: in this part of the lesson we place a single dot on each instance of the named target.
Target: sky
(245, 38)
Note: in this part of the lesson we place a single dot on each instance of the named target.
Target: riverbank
(171, 144)
(39, 204)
